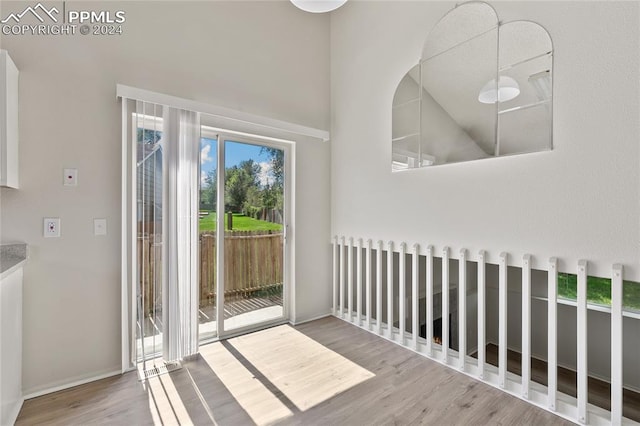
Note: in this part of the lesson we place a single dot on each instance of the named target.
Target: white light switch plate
(99, 226)
(70, 177)
(51, 227)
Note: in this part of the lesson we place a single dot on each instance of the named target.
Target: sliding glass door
(205, 215)
(254, 201)
(243, 209)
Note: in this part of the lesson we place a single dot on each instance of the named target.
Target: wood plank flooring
(326, 372)
(599, 391)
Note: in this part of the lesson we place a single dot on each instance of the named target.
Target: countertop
(12, 257)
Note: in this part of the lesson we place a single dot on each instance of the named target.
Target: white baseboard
(310, 319)
(13, 416)
(64, 386)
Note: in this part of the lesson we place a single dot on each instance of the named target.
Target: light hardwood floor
(599, 391)
(325, 372)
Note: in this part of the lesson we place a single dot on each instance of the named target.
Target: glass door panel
(149, 187)
(254, 210)
(207, 311)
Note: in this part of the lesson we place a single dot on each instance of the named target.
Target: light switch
(99, 226)
(51, 227)
(70, 177)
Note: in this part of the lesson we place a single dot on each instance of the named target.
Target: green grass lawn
(240, 223)
(599, 290)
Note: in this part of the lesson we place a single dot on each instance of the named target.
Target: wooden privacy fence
(253, 263)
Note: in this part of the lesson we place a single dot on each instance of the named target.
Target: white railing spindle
(350, 280)
(415, 310)
(390, 289)
(582, 342)
(368, 285)
(379, 288)
(482, 343)
(445, 305)
(359, 255)
(502, 321)
(526, 325)
(552, 327)
(402, 285)
(462, 309)
(359, 283)
(342, 277)
(429, 301)
(335, 275)
(616, 344)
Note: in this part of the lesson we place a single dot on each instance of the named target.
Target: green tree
(277, 165)
(238, 181)
(209, 191)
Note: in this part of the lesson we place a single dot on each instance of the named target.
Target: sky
(235, 152)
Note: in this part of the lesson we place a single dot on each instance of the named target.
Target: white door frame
(288, 148)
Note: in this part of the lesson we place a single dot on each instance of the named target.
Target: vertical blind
(160, 231)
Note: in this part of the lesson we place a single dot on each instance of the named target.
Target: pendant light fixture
(507, 89)
(318, 6)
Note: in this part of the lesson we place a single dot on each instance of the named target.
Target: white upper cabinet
(8, 121)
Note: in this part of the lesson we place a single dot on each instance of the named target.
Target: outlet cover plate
(99, 227)
(70, 177)
(51, 227)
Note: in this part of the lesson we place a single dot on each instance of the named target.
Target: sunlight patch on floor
(165, 403)
(259, 403)
(305, 371)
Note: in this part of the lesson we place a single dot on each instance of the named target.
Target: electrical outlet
(51, 227)
(70, 177)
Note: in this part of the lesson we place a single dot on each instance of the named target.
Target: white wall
(266, 58)
(578, 201)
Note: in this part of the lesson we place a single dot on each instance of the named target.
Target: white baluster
(415, 310)
(342, 278)
(582, 342)
(502, 321)
(462, 309)
(616, 344)
(526, 325)
(390, 289)
(368, 285)
(429, 301)
(552, 333)
(402, 286)
(335, 276)
(350, 280)
(482, 343)
(379, 288)
(445, 305)
(359, 284)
